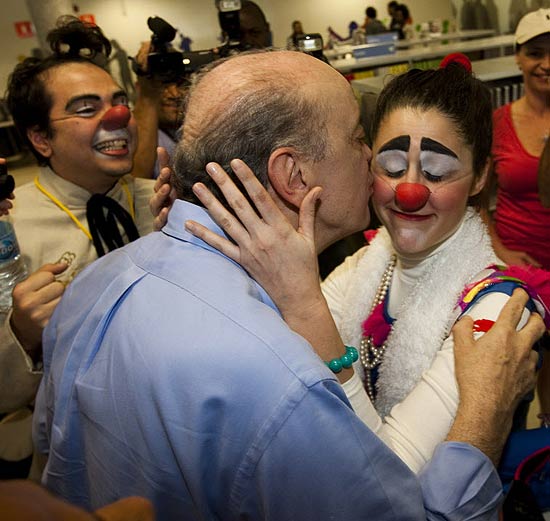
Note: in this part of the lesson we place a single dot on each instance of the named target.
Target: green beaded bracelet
(345, 361)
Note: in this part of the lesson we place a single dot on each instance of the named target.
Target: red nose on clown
(411, 197)
(116, 117)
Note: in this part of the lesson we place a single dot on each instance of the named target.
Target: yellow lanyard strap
(72, 215)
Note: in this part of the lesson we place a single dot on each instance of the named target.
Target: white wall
(125, 20)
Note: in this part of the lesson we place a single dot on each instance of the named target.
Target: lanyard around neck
(57, 202)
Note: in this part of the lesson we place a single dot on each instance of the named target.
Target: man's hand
(493, 374)
(164, 196)
(34, 301)
(281, 258)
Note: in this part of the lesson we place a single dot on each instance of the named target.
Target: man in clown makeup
(76, 121)
(431, 263)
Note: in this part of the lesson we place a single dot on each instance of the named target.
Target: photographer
(255, 31)
(156, 112)
(159, 99)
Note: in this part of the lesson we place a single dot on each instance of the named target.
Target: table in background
(416, 53)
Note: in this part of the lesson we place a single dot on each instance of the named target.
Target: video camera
(312, 44)
(170, 66)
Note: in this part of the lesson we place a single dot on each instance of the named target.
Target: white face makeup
(423, 177)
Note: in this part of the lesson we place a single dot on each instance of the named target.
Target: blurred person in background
(520, 223)
(292, 40)
(372, 25)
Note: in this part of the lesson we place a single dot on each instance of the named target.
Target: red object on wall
(24, 29)
(88, 18)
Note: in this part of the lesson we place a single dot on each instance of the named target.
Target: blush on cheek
(382, 191)
(449, 196)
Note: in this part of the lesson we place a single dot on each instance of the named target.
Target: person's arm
(327, 464)
(292, 281)
(146, 114)
(19, 376)
(543, 178)
(34, 301)
(493, 374)
(413, 429)
(510, 257)
(416, 425)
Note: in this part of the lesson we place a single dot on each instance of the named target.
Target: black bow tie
(104, 216)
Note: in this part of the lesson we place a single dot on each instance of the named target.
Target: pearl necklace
(370, 354)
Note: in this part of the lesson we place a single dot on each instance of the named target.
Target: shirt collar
(72, 195)
(182, 211)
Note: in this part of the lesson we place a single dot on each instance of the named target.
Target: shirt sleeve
(460, 484)
(19, 377)
(324, 463)
(336, 285)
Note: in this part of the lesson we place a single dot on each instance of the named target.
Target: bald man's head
(251, 104)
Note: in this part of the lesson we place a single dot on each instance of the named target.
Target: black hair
(27, 98)
(455, 93)
(254, 8)
(371, 12)
(404, 9)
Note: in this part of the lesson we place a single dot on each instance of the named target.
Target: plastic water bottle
(12, 267)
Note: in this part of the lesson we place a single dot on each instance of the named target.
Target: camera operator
(156, 112)
(157, 105)
(255, 31)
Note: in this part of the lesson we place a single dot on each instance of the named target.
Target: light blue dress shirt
(170, 374)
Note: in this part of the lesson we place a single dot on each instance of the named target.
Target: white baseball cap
(532, 25)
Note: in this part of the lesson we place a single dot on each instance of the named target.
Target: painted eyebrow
(92, 97)
(434, 146)
(397, 143)
(76, 99)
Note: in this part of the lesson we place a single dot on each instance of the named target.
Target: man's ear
(40, 141)
(286, 175)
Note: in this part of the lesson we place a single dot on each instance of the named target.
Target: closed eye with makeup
(433, 163)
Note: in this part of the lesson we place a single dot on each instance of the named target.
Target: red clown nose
(116, 117)
(411, 197)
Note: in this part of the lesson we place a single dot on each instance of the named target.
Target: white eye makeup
(435, 167)
(393, 162)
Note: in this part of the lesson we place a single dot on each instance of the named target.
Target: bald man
(170, 374)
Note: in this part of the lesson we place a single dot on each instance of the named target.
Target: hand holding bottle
(34, 301)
